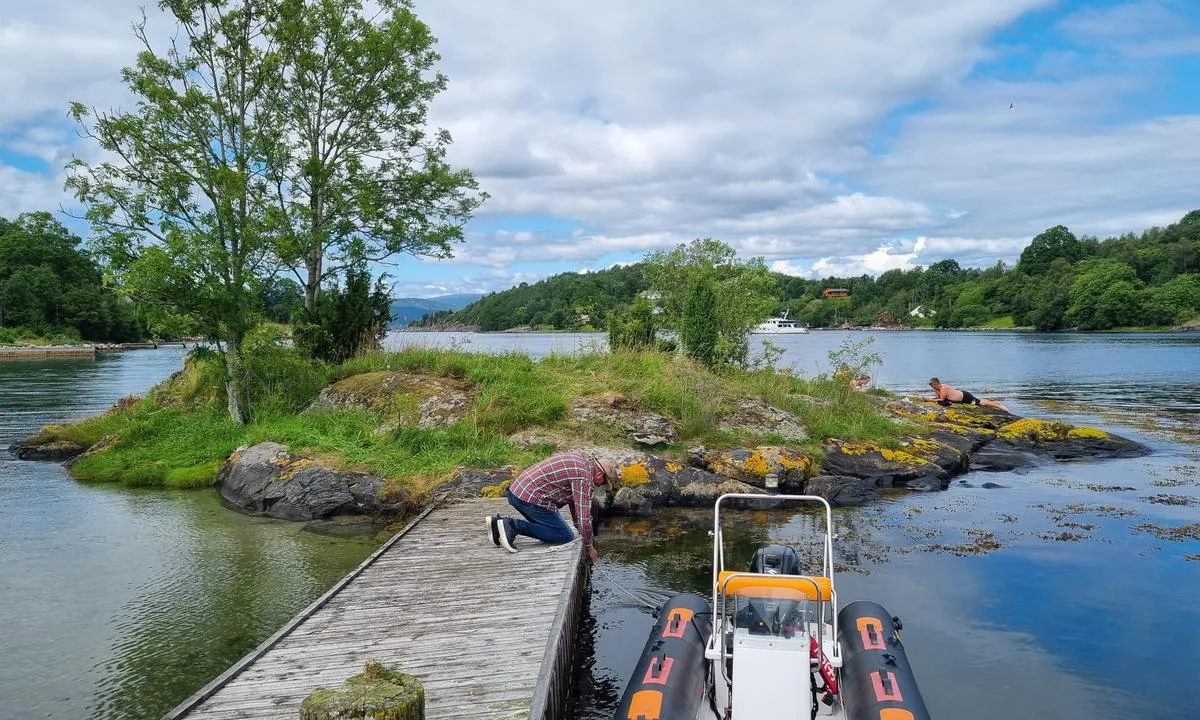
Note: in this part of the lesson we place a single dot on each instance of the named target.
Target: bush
(699, 330)
(349, 320)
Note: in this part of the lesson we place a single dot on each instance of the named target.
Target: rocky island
(384, 435)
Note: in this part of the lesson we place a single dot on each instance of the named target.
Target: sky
(828, 138)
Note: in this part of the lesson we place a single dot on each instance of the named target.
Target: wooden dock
(489, 633)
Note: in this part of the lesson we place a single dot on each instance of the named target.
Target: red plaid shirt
(565, 479)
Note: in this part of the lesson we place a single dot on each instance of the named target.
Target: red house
(835, 292)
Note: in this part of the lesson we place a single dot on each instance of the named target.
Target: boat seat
(776, 587)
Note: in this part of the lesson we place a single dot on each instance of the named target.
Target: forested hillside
(50, 288)
(1061, 281)
(567, 301)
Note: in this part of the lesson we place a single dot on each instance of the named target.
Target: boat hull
(670, 679)
(876, 678)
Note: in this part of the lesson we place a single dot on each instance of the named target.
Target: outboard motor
(775, 560)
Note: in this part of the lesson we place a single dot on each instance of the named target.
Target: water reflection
(120, 603)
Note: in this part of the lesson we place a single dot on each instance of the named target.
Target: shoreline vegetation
(407, 426)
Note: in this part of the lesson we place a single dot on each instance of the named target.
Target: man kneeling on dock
(544, 487)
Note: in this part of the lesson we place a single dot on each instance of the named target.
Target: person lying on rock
(947, 395)
(861, 382)
(544, 487)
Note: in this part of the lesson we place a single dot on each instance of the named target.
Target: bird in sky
(1010, 106)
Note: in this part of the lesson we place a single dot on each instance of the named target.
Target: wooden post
(378, 693)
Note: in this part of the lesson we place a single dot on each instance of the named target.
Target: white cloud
(656, 123)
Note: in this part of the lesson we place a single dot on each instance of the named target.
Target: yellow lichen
(899, 456)
(757, 463)
(674, 467)
(1034, 430)
(635, 474)
(963, 417)
(294, 466)
(1088, 433)
(922, 446)
(495, 491)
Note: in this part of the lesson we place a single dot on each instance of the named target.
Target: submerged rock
(267, 480)
(843, 490)
(403, 399)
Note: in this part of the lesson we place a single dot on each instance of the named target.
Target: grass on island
(179, 435)
(1004, 322)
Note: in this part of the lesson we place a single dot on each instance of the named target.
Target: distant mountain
(410, 310)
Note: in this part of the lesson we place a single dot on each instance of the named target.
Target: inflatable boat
(772, 644)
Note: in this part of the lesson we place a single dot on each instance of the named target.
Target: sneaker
(493, 521)
(508, 536)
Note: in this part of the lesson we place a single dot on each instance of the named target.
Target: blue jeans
(541, 523)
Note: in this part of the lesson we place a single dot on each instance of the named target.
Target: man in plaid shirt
(544, 487)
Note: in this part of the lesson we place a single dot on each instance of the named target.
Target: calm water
(119, 603)
(115, 603)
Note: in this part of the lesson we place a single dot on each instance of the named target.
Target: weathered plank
(483, 629)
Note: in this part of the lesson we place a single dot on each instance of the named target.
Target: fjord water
(119, 603)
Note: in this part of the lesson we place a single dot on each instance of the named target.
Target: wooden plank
(476, 624)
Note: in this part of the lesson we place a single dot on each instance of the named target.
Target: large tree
(745, 291)
(1048, 246)
(362, 168)
(183, 207)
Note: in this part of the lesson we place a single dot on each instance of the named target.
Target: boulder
(51, 451)
(764, 467)
(642, 427)
(267, 480)
(758, 417)
(885, 467)
(653, 482)
(378, 692)
(403, 399)
(843, 490)
(947, 450)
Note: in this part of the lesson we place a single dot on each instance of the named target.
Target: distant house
(921, 312)
(835, 292)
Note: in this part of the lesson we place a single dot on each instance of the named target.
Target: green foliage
(360, 173)
(183, 210)
(854, 357)
(349, 320)
(1106, 294)
(743, 295)
(1175, 301)
(1057, 242)
(635, 328)
(49, 287)
(699, 330)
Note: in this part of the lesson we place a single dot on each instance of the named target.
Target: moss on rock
(378, 693)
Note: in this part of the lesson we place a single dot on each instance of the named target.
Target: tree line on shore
(1061, 281)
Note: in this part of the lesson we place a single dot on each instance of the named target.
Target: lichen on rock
(758, 466)
(641, 426)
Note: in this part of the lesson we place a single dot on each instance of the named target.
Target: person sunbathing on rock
(947, 395)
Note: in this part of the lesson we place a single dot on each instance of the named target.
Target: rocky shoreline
(268, 480)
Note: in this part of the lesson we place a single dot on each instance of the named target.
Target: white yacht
(779, 326)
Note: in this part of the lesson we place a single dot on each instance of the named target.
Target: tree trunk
(312, 284)
(235, 389)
